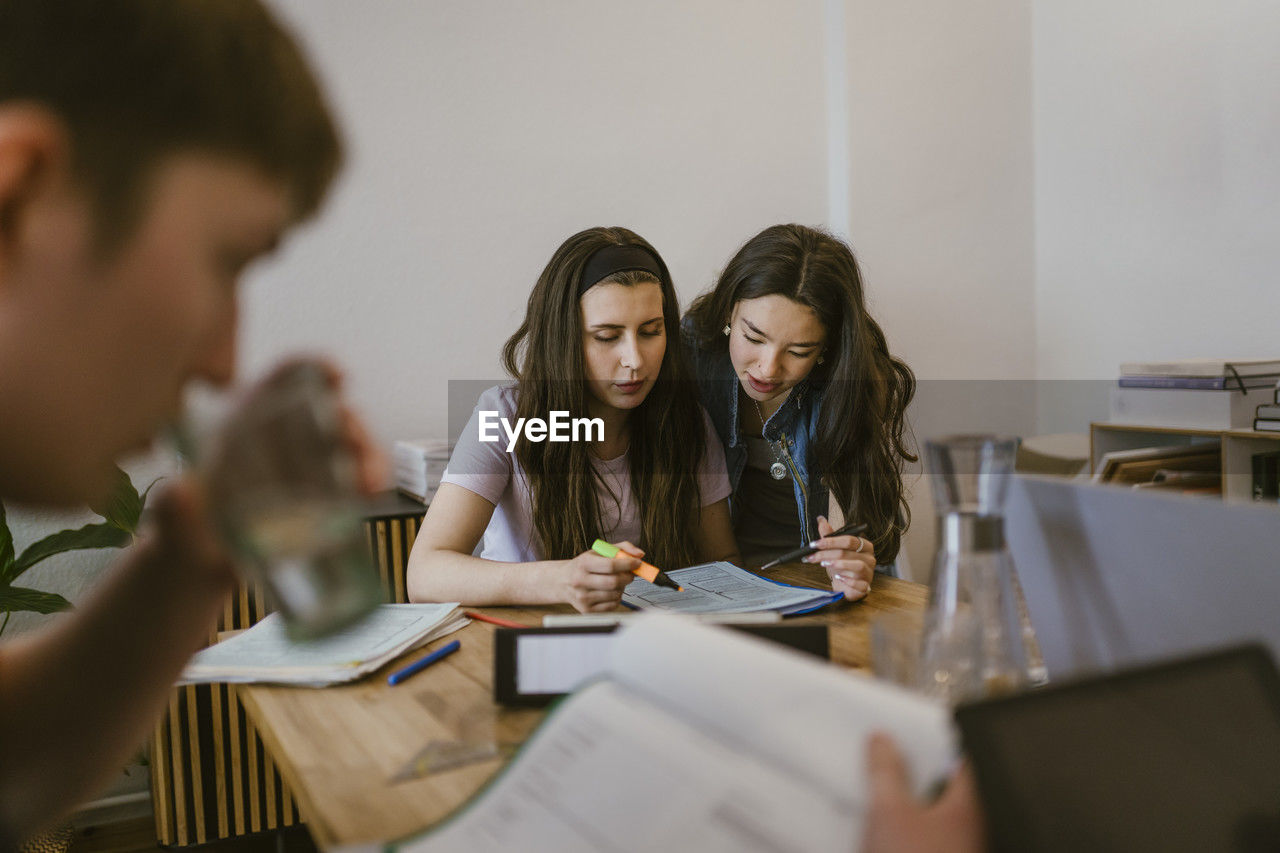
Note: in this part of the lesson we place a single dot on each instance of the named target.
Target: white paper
(719, 587)
(788, 705)
(265, 653)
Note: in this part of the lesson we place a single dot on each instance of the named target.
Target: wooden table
(338, 748)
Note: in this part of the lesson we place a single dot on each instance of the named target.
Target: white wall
(1157, 140)
(484, 133)
(941, 185)
(941, 212)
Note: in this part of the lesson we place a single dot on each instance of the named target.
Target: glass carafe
(973, 642)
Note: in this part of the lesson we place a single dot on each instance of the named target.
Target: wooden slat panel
(197, 779)
(397, 559)
(384, 559)
(238, 767)
(255, 777)
(161, 786)
(411, 524)
(175, 756)
(219, 761)
(208, 777)
(269, 786)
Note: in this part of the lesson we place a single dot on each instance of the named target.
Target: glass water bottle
(973, 642)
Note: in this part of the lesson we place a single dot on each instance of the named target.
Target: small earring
(726, 330)
(821, 359)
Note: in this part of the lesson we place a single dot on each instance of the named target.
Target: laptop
(1179, 756)
(1115, 577)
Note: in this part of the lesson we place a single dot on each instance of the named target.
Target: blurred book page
(620, 767)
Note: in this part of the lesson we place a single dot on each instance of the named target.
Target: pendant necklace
(777, 470)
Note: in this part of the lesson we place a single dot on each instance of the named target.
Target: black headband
(615, 259)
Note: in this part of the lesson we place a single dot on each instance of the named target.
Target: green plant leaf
(123, 507)
(18, 598)
(100, 535)
(6, 544)
(147, 491)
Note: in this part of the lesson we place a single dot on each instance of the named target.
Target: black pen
(851, 528)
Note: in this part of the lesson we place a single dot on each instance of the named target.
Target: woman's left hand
(850, 561)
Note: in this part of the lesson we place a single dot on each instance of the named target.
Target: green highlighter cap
(604, 549)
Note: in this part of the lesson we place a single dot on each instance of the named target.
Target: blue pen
(418, 666)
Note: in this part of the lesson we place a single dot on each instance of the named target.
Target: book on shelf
(1203, 367)
(1266, 424)
(1202, 383)
(701, 738)
(1268, 410)
(1188, 408)
(1144, 464)
(1208, 483)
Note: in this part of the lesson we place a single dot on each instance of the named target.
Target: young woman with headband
(807, 401)
(594, 343)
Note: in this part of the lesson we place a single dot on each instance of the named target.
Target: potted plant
(120, 514)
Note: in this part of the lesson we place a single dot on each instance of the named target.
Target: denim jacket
(790, 431)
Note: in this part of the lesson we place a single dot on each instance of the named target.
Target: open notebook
(700, 738)
(264, 653)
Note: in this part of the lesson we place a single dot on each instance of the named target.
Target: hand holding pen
(652, 574)
(593, 583)
(849, 559)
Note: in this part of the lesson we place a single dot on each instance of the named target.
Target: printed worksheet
(722, 587)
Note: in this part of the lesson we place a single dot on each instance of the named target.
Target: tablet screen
(1179, 756)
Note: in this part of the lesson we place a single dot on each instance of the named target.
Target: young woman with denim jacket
(807, 401)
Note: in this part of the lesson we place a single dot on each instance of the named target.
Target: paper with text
(722, 587)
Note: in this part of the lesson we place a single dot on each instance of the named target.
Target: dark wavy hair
(862, 440)
(667, 435)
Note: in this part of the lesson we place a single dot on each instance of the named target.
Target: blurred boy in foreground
(149, 151)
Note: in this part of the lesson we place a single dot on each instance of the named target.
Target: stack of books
(1267, 416)
(419, 465)
(1189, 469)
(1212, 394)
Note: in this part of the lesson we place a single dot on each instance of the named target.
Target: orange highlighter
(652, 574)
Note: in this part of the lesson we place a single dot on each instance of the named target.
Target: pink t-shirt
(488, 470)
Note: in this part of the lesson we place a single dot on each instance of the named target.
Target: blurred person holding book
(897, 822)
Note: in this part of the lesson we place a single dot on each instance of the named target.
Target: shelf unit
(1238, 447)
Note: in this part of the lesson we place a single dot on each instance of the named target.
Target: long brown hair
(667, 435)
(860, 447)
